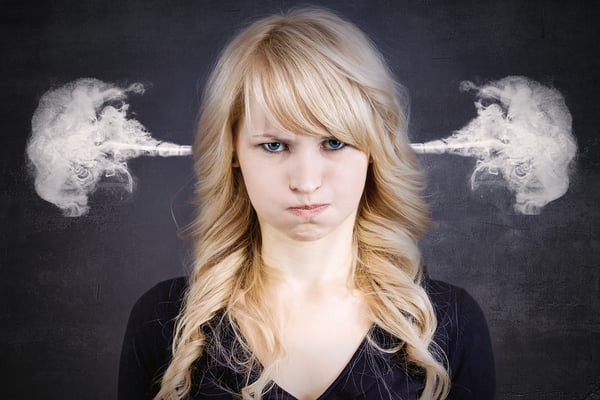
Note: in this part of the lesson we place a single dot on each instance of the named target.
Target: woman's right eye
(274, 147)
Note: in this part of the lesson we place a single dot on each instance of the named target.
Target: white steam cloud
(521, 138)
(80, 134)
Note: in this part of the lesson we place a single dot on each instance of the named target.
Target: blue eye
(334, 144)
(273, 147)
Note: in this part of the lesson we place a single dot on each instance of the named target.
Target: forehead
(258, 120)
(300, 92)
(305, 95)
(256, 115)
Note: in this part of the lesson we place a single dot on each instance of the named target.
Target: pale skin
(306, 190)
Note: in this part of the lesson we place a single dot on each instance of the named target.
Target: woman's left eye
(334, 144)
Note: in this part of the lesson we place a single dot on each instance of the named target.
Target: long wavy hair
(317, 74)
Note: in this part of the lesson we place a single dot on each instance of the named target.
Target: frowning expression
(301, 186)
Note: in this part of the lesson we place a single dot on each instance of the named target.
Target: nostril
(305, 187)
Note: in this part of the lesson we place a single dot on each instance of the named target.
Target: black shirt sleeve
(146, 350)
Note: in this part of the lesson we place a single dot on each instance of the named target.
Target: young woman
(307, 280)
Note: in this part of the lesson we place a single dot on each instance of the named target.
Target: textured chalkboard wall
(67, 284)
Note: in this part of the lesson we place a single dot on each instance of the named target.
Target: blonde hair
(316, 74)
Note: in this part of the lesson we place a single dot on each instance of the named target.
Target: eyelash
(338, 145)
(265, 147)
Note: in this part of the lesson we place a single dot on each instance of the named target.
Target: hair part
(316, 74)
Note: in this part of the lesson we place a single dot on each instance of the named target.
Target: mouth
(309, 210)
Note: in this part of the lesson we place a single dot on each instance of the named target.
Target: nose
(306, 172)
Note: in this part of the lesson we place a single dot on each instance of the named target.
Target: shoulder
(452, 304)
(460, 320)
(148, 337)
(153, 315)
(463, 335)
(161, 301)
(152, 319)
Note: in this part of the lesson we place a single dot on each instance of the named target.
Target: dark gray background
(67, 284)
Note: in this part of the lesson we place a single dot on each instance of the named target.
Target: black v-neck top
(462, 334)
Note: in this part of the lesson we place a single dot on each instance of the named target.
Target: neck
(310, 264)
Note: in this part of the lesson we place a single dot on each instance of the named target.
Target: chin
(308, 234)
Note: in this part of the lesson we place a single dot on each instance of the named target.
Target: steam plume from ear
(521, 135)
(521, 138)
(80, 133)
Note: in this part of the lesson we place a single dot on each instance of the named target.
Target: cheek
(353, 176)
(259, 185)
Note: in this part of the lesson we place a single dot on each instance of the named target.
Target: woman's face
(301, 186)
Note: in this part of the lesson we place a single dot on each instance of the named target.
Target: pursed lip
(308, 210)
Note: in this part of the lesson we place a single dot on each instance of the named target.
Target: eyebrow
(274, 136)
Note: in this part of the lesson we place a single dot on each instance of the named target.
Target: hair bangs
(307, 93)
